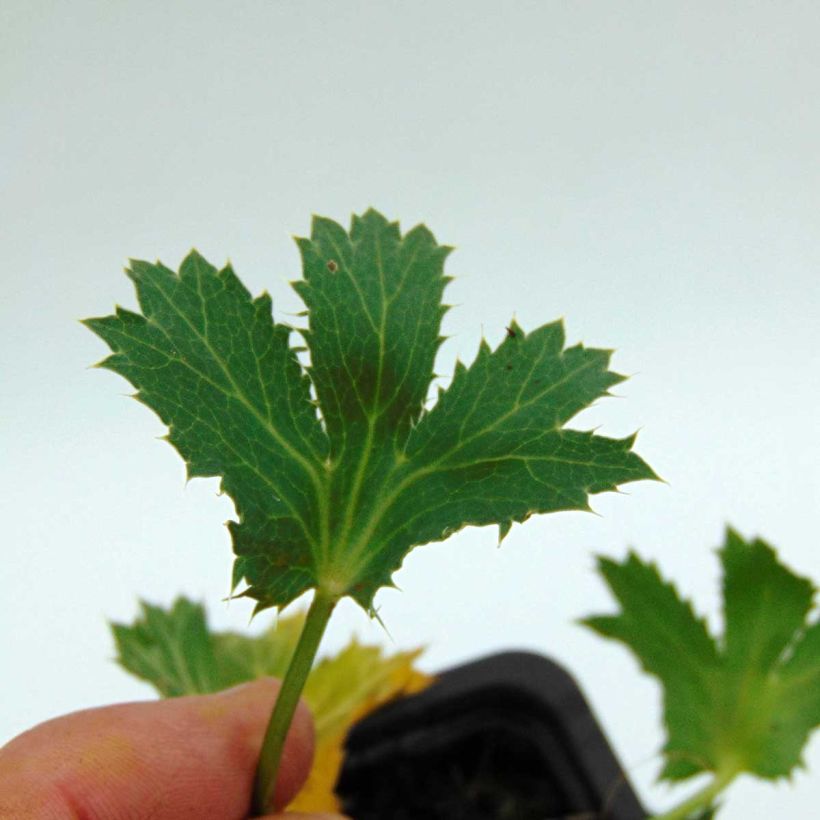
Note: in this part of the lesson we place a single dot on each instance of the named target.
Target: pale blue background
(648, 170)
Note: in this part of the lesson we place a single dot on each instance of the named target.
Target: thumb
(185, 758)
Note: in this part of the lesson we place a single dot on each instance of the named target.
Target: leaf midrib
(372, 416)
(376, 410)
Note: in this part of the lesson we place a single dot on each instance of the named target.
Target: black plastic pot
(509, 737)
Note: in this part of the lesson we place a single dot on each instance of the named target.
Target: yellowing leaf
(352, 682)
(340, 691)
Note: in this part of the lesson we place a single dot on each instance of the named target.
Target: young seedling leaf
(170, 649)
(333, 493)
(745, 702)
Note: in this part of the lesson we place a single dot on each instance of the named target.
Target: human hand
(190, 757)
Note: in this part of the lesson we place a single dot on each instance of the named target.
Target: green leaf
(374, 308)
(175, 651)
(170, 649)
(214, 367)
(746, 702)
(337, 470)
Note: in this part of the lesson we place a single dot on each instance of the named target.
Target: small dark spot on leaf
(332, 265)
(509, 367)
(510, 333)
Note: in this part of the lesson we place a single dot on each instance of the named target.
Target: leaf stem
(700, 800)
(294, 682)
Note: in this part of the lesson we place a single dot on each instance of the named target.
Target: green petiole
(293, 683)
(700, 801)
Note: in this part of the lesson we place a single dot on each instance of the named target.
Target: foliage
(746, 701)
(337, 470)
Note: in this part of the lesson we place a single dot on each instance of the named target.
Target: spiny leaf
(374, 309)
(332, 493)
(214, 367)
(746, 702)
